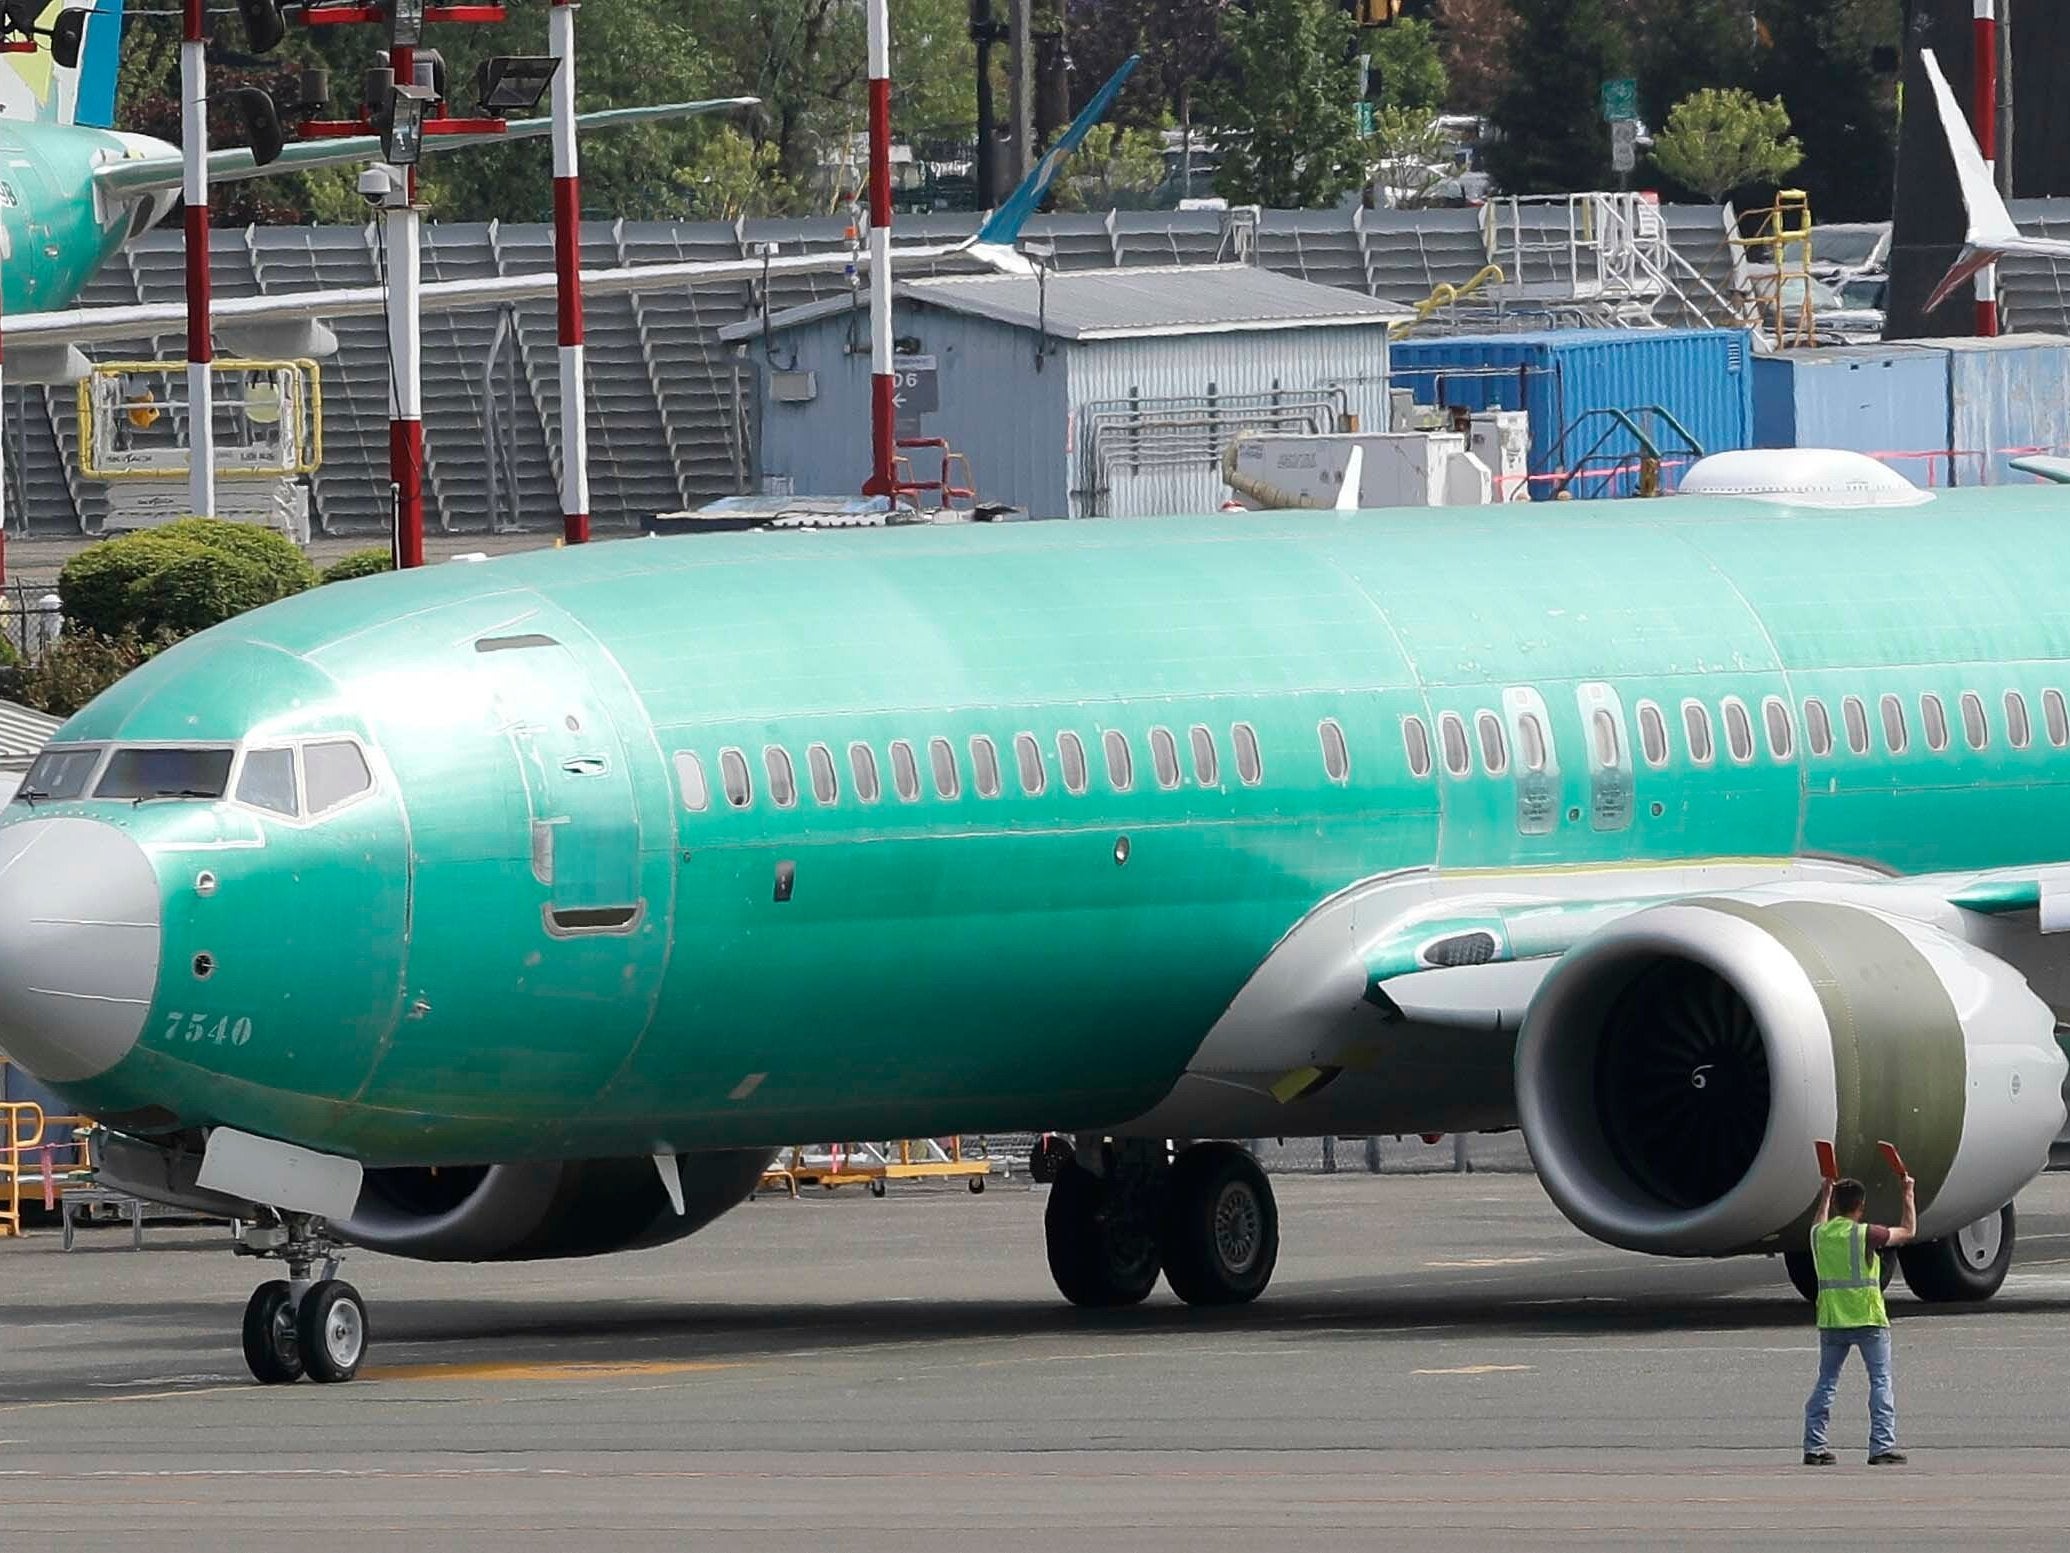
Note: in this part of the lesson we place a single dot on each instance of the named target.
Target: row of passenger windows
(945, 771)
(1490, 739)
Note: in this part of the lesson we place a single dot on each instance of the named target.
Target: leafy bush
(75, 668)
(360, 563)
(180, 578)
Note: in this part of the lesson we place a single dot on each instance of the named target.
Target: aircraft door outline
(1608, 743)
(1536, 766)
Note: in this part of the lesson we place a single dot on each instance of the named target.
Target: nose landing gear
(304, 1324)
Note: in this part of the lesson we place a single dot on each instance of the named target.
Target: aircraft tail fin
(1354, 475)
(1991, 234)
(35, 89)
(1004, 226)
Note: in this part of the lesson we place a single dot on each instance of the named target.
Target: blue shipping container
(2006, 397)
(1575, 381)
(1889, 400)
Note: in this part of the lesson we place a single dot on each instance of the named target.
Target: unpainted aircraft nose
(80, 930)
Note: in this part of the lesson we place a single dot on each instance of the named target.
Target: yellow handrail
(1444, 296)
(13, 1114)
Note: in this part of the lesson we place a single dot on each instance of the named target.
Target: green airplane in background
(521, 909)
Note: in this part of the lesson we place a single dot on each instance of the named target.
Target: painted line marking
(1476, 1369)
(1487, 1261)
(568, 1370)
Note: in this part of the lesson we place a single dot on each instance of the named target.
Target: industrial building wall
(1216, 385)
(996, 408)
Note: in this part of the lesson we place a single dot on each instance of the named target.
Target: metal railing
(32, 1157)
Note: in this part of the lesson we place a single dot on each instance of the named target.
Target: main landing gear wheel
(1804, 1274)
(272, 1351)
(1219, 1235)
(331, 1326)
(1970, 1264)
(1100, 1255)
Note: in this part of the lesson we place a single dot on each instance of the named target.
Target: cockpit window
(268, 781)
(59, 774)
(336, 772)
(165, 772)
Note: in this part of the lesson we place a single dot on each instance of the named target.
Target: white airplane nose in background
(80, 930)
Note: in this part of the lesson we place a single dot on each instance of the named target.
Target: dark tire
(272, 1351)
(1804, 1273)
(332, 1328)
(1968, 1265)
(977, 1184)
(1098, 1256)
(1219, 1232)
(877, 1188)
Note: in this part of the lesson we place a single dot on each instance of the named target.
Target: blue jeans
(1833, 1344)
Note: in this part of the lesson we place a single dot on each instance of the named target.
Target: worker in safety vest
(1848, 1256)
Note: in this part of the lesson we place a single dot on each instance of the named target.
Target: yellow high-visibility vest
(1850, 1276)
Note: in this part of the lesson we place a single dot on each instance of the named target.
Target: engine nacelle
(1675, 1069)
(532, 1212)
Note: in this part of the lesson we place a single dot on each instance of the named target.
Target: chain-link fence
(1373, 1154)
(29, 618)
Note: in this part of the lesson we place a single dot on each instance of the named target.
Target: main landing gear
(310, 1323)
(1205, 1218)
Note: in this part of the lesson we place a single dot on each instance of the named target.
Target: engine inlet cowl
(1674, 1070)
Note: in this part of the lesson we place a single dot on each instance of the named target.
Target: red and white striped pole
(405, 345)
(201, 350)
(883, 413)
(567, 253)
(1985, 112)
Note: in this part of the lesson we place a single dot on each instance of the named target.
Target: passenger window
(1028, 755)
(336, 773)
(1452, 736)
(1121, 765)
(1494, 746)
(862, 765)
(1895, 735)
(1250, 765)
(697, 793)
(1782, 734)
(1603, 727)
(1416, 740)
(2019, 731)
(1653, 734)
(905, 771)
(733, 777)
(1207, 765)
(1856, 716)
(1739, 730)
(1164, 756)
(1934, 717)
(783, 781)
(1696, 728)
(819, 761)
(2056, 716)
(948, 782)
(984, 767)
(268, 781)
(1531, 738)
(1975, 726)
(1818, 727)
(1336, 756)
(1071, 756)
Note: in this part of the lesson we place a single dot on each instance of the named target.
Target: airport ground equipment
(1395, 469)
(1592, 260)
(138, 438)
(41, 1157)
(876, 1165)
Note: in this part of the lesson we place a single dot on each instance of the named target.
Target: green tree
(370, 562)
(1410, 155)
(1473, 42)
(1717, 141)
(1682, 46)
(730, 176)
(74, 669)
(1820, 60)
(184, 577)
(1114, 168)
(1408, 71)
(1554, 140)
(1285, 114)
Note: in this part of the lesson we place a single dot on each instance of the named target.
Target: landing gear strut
(1206, 1219)
(311, 1322)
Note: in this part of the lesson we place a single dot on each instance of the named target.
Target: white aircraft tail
(1991, 234)
(34, 89)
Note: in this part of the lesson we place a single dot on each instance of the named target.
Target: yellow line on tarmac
(1475, 1369)
(569, 1370)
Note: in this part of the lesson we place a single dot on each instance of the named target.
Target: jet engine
(1675, 1068)
(532, 1212)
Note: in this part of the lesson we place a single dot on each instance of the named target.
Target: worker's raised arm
(1825, 1205)
(1907, 1232)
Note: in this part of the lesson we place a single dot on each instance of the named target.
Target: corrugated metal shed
(1889, 400)
(1100, 394)
(2006, 397)
(1572, 380)
(23, 733)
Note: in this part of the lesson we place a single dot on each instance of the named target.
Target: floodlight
(67, 38)
(263, 27)
(513, 83)
(260, 116)
(401, 123)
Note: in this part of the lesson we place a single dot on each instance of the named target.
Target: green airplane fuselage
(545, 933)
(59, 230)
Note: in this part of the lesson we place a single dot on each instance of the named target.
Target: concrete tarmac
(1441, 1362)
